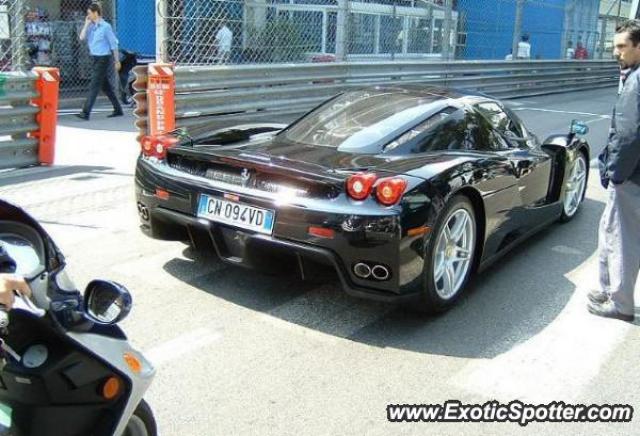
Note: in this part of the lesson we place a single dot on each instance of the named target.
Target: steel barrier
(28, 118)
(207, 98)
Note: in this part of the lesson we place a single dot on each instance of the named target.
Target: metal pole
(394, 41)
(162, 23)
(565, 32)
(405, 32)
(429, 41)
(446, 37)
(324, 31)
(603, 34)
(517, 28)
(633, 13)
(376, 35)
(18, 38)
(593, 25)
(341, 30)
(618, 15)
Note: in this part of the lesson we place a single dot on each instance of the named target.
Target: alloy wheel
(574, 189)
(453, 254)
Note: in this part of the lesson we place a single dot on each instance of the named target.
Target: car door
(531, 165)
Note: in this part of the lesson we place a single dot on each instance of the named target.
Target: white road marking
(595, 120)
(563, 249)
(557, 363)
(182, 345)
(562, 112)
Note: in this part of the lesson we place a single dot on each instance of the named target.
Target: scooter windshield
(26, 239)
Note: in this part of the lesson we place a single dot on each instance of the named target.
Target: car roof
(462, 96)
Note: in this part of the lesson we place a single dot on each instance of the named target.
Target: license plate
(236, 214)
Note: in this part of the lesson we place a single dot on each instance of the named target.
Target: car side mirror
(107, 302)
(578, 128)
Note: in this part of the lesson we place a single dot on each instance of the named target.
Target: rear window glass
(360, 118)
(424, 126)
(460, 130)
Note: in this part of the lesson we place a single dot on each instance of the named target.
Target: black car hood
(330, 161)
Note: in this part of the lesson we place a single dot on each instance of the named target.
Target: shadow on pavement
(33, 174)
(99, 121)
(504, 306)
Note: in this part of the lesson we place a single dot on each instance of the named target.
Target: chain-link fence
(612, 13)
(199, 32)
(206, 32)
(46, 33)
(209, 32)
(11, 35)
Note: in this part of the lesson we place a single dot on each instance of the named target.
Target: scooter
(67, 368)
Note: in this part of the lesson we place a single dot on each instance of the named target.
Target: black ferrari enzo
(404, 191)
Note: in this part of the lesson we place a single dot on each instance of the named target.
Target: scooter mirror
(107, 302)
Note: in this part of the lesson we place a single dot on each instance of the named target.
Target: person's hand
(87, 21)
(10, 283)
(118, 66)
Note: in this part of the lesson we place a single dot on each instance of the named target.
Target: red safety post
(161, 89)
(47, 86)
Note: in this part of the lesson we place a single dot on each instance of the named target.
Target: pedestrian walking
(619, 232)
(103, 47)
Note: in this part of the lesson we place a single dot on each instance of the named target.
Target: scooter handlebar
(4, 317)
(21, 303)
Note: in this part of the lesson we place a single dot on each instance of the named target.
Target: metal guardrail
(213, 97)
(17, 120)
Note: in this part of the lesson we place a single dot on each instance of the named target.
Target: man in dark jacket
(619, 234)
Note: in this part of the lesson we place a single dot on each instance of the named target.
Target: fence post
(446, 37)
(566, 32)
(18, 39)
(161, 31)
(517, 28)
(342, 23)
(47, 85)
(161, 87)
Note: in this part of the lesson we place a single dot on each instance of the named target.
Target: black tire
(566, 217)
(143, 416)
(430, 301)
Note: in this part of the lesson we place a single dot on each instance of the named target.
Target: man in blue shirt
(103, 47)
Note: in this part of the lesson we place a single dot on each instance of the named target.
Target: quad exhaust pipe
(377, 272)
(362, 270)
(143, 212)
(380, 272)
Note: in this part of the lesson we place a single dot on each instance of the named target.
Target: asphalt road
(242, 353)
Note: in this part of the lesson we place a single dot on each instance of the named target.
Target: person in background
(619, 163)
(571, 52)
(524, 48)
(224, 41)
(581, 52)
(103, 47)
